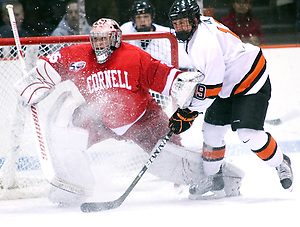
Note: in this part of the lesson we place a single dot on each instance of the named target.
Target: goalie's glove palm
(182, 120)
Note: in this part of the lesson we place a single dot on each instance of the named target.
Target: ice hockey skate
(225, 183)
(285, 173)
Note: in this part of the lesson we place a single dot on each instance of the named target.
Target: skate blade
(208, 195)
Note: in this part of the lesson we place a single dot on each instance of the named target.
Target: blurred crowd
(41, 18)
(58, 17)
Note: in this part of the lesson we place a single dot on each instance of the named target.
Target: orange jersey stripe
(212, 93)
(226, 30)
(253, 76)
(267, 151)
(213, 153)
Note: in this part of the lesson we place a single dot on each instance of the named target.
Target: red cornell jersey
(119, 88)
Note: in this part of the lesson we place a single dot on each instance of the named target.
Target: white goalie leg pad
(177, 164)
(75, 179)
(69, 169)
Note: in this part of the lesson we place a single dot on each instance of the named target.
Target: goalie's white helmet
(105, 38)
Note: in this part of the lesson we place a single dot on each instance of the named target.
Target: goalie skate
(225, 183)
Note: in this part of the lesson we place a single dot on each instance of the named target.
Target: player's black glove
(182, 120)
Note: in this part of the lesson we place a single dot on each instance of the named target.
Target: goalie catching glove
(182, 120)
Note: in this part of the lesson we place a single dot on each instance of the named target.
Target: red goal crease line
(85, 38)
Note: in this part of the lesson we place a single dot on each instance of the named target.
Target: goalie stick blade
(95, 207)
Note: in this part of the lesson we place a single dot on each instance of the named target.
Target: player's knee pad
(213, 135)
(254, 139)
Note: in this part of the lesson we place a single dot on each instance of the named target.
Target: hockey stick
(43, 150)
(100, 206)
(289, 116)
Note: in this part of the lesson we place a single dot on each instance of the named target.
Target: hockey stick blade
(100, 206)
(94, 207)
(274, 121)
(291, 115)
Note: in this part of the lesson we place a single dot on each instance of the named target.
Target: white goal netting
(20, 171)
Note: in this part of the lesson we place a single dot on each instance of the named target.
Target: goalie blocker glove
(182, 120)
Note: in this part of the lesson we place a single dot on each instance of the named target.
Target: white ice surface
(262, 202)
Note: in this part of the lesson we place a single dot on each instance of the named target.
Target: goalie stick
(100, 206)
(42, 145)
(43, 150)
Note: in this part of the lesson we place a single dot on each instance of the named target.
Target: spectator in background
(69, 25)
(162, 9)
(142, 14)
(242, 22)
(6, 30)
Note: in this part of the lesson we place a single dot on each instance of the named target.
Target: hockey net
(20, 172)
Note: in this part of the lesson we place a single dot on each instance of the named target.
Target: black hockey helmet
(184, 9)
(142, 7)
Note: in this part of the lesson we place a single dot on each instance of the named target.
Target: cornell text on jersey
(108, 79)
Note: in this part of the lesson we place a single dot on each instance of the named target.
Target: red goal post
(20, 172)
(85, 38)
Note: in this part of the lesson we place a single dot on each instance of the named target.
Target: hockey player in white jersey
(235, 92)
(142, 15)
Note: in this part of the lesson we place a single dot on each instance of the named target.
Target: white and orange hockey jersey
(119, 88)
(230, 66)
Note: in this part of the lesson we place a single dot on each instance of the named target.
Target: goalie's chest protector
(118, 88)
